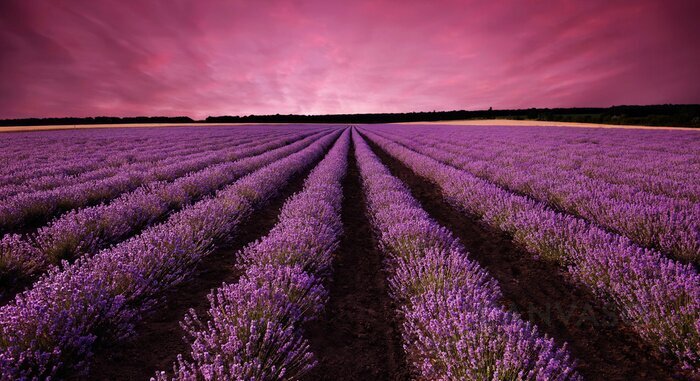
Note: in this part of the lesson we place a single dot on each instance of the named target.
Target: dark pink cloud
(198, 58)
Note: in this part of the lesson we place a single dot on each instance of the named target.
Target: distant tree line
(95, 120)
(654, 115)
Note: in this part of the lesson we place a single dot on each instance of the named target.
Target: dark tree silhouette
(95, 120)
(653, 115)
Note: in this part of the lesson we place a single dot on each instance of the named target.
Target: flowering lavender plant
(658, 297)
(253, 331)
(51, 330)
(453, 327)
(90, 229)
(664, 220)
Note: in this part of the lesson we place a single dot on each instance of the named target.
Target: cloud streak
(199, 58)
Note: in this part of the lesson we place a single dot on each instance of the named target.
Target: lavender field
(335, 252)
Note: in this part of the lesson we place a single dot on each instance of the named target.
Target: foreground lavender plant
(453, 327)
(465, 341)
(658, 297)
(253, 331)
(51, 330)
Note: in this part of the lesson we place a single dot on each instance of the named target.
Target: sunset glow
(87, 58)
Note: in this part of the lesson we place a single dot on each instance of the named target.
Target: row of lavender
(254, 329)
(29, 155)
(453, 325)
(659, 162)
(118, 159)
(87, 230)
(41, 205)
(655, 220)
(90, 187)
(658, 297)
(52, 329)
(86, 167)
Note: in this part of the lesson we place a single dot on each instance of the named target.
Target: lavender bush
(253, 331)
(51, 330)
(658, 297)
(667, 222)
(88, 230)
(453, 327)
(40, 205)
(125, 157)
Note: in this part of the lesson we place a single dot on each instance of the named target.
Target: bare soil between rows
(357, 338)
(160, 338)
(543, 293)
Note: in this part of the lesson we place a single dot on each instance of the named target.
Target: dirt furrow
(357, 338)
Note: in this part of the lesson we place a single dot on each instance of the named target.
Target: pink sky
(199, 58)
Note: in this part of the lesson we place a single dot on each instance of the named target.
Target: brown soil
(10, 287)
(357, 337)
(543, 293)
(160, 338)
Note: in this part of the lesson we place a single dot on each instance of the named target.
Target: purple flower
(657, 296)
(453, 327)
(253, 330)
